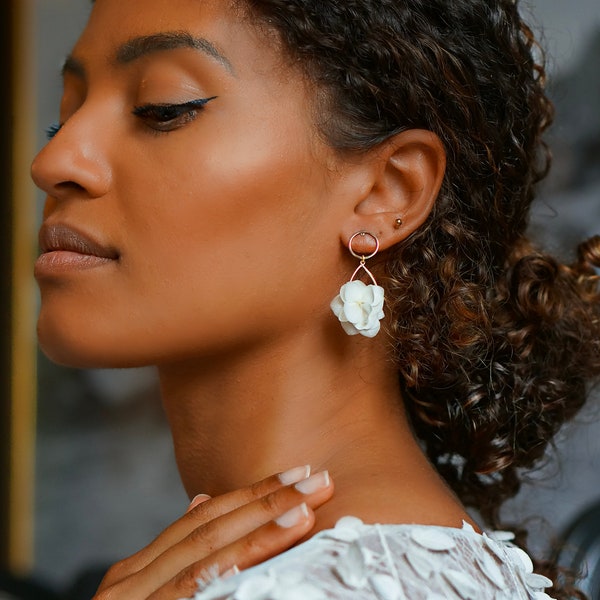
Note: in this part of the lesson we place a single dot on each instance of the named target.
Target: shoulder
(389, 562)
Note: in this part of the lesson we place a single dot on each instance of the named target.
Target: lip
(65, 249)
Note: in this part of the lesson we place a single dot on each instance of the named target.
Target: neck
(236, 420)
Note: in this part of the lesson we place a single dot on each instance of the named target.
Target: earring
(358, 306)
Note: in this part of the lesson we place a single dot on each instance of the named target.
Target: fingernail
(311, 485)
(293, 517)
(294, 475)
(196, 500)
(230, 572)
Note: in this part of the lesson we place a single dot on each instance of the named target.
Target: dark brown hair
(494, 340)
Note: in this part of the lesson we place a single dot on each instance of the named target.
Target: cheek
(227, 234)
(239, 209)
(235, 185)
(224, 250)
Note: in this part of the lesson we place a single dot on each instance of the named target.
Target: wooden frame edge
(22, 369)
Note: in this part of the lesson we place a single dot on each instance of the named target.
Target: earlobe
(408, 170)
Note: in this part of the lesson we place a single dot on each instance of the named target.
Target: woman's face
(177, 226)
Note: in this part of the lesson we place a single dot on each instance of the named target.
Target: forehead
(219, 28)
(163, 11)
(253, 73)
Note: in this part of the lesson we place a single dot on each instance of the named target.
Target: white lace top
(388, 562)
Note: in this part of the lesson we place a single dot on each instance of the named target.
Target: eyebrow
(139, 47)
(168, 40)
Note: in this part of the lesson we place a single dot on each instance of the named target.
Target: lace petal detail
(255, 588)
(502, 536)
(351, 567)
(522, 558)
(432, 539)
(538, 581)
(491, 570)
(494, 547)
(420, 563)
(345, 530)
(304, 591)
(389, 562)
(386, 587)
(464, 584)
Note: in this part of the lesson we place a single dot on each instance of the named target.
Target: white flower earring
(359, 306)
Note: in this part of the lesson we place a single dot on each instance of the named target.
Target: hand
(235, 530)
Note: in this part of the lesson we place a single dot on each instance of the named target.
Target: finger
(196, 516)
(196, 501)
(208, 539)
(207, 512)
(259, 545)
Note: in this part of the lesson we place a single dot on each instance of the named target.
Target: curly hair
(494, 340)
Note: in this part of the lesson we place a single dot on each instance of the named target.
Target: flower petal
(494, 547)
(368, 296)
(353, 291)
(372, 320)
(351, 568)
(463, 584)
(491, 570)
(343, 534)
(371, 332)
(349, 328)
(349, 522)
(355, 313)
(522, 559)
(257, 587)
(502, 536)
(432, 539)
(378, 292)
(386, 587)
(420, 563)
(337, 305)
(539, 582)
(288, 589)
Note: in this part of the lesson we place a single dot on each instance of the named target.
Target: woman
(220, 171)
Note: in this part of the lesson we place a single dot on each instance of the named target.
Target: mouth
(65, 249)
(56, 238)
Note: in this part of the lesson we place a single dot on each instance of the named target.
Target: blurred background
(105, 478)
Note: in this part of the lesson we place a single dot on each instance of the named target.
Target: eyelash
(160, 117)
(168, 117)
(52, 130)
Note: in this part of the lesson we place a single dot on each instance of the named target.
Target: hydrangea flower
(359, 307)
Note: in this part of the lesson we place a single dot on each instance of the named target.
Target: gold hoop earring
(359, 306)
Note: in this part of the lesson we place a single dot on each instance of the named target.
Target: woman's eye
(52, 130)
(168, 117)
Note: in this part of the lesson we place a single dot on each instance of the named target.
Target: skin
(231, 234)
(236, 530)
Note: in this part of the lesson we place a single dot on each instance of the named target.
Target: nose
(74, 162)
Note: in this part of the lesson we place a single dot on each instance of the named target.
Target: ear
(407, 171)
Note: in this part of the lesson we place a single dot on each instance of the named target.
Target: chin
(67, 354)
(79, 348)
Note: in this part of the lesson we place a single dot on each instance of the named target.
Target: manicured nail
(199, 499)
(293, 517)
(311, 485)
(294, 475)
(230, 572)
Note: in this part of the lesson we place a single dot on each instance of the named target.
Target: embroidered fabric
(388, 562)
